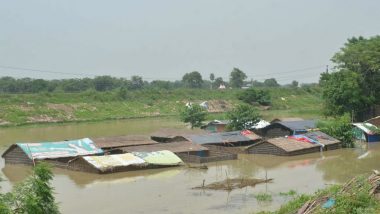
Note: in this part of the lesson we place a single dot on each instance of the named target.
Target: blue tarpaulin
(60, 149)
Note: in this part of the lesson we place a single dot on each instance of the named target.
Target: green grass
(19, 109)
(263, 197)
(289, 193)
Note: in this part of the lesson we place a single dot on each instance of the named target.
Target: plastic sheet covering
(111, 161)
(164, 157)
(61, 149)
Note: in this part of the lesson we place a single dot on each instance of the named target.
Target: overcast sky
(163, 39)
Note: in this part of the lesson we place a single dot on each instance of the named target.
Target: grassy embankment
(20, 109)
(358, 196)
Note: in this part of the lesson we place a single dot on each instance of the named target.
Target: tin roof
(301, 142)
(162, 158)
(299, 125)
(290, 145)
(106, 162)
(368, 128)
(224, 137)
(72, 148)
(374, 121)
(122, 141)
(173, 147)
(321, 137)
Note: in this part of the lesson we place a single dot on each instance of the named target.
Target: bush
(251, 96)
(340, 128)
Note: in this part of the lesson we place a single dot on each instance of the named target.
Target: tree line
(238, 79)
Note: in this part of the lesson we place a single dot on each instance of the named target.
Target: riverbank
(23, 109)
(359, 195)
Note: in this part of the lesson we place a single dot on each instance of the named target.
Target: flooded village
(184, 107)
(162, 164)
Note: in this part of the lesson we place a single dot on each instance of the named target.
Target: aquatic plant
(263, 197)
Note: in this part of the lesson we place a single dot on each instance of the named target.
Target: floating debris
(234, 183)
(197, 167)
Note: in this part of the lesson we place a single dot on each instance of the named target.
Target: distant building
(222, 86)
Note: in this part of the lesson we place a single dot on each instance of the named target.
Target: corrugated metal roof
(224, 137)
(299, 125)
(321, 137)
(368, 128)
(290, 145)
(162, 158)
(122, 141)
(173, 147)
(60, 149)
(374, 121)
(106, 162)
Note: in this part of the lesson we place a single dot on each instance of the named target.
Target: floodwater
(170, 190)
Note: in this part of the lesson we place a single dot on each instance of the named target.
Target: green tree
(343, 93)
(237, 78)
(103, 83)
(136, 83)
(212, 78)
(272, 82)
(218, 81)
(34, 195)
(193, 114)
(294, 84)
(193, 79)
(242, 117)
(355, 84)
(362, 56)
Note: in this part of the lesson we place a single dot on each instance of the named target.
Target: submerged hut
(228, 142)
(113, 144)
(187, 151)
(286, 128)
(216, 126)
(296, 144)
(125, 162)
(57, 153)
(366, 132)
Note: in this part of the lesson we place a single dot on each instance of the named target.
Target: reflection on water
(170, 190)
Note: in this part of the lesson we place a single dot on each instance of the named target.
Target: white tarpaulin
(111, 161)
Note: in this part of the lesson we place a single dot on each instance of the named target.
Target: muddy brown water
(170, 190)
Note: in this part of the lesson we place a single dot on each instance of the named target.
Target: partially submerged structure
(286, 128)
(296, 144)
(227, 142)
(58, 153)
(187, 151)
(366, 132)
(216, 126)
(113, 144)
(125, 162)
